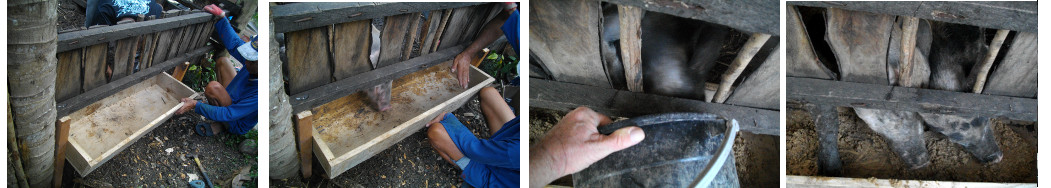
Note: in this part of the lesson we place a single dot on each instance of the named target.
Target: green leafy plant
(198, 76)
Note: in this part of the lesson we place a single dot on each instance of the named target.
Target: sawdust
(865, 154)
(110, 123)
(801, 144)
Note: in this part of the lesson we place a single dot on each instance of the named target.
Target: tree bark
(31, 75)
(283, 160)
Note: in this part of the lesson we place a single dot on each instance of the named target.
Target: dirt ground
(70, 16)
(409, 163)
(865, 154)
(148, 163)
(756, 155)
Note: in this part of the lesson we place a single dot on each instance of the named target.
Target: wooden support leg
(180, 71)
(304, 131)
(747, 52)
(987, 63)
(631, 46)
(826, 123)
(62, 138)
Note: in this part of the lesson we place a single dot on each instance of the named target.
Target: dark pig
(677, 54)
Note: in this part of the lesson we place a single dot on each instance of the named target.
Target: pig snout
(974, 134)
(380, 96)
(904, 131)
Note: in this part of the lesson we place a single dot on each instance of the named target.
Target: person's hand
(460, 67)
(441, 116)
(188, 104)
(574, 144)
(215, 10)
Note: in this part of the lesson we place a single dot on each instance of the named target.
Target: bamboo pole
(987, 63)
(747, 52)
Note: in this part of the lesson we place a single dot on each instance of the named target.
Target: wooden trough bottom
(347, 131)
(110, 125)
(816, 181)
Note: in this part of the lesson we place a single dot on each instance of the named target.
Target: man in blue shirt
(232, 99)
(507, 22)
(485, 163)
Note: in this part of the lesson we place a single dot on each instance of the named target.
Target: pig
(379, 96)
(678, 53)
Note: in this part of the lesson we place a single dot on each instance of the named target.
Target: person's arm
(490, 152)
(489, 33)
(226, 32)
(233, 112)
(574, 144)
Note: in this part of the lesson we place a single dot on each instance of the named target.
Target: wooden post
(747, 52)
(908, 46)
(631, 45)
(826, 123)
(180, 71)
(987, 63)
(304, 130)
(62, 138)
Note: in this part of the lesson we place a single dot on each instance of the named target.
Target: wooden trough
(814, 181)
(104, 128)
(347, 131)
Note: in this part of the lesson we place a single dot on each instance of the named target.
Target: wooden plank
(84, 38)
(1017, 73)
(434, 22)
(374, 131)
(826, 124)
(124, 57)
(188, 38)
(1022, 15)
(618, 103)
(308, 59)
(762, 89)
(393, 38)
(320, 95)
(354, 40)
(100, 92)
(151, 101)
(876, 96)
(753, 16)
(564, 38)
(802, 60)
(208, 32)
(299, 16)
(304, 130)
(748, 51)
(813, 181)
(68, 80)
(180, 71)
(94, 66)
(987, 62)
(148, 44)
(161, 48)
(61, 138)
(410, 41)
(859, 41)
(441, 29)
(631, 45)
(454, 28)
(178, 37)
(908, 46)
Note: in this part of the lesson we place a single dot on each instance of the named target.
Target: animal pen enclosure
(570, 68)
(835, 70)
(327, 61)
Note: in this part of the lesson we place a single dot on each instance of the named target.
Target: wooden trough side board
(849, 94)
(352, 126)
(814, 181)
(299, 16)
(1022, 15)
(101, 130)
(567, 96)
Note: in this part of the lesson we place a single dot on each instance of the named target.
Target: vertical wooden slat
(61, 138)
(987, 63)
(68, 80)
(148, 45)
(743, 57)
(434, 21)
(304, 134)
(308, 59)
(395, 29)
(178, 37)
(1017, 73)
(908, 46)
(353, 39)
(94, 66)
(410, 41)
(762, 88)
(564, 38)
(631, 45)
(124, 57)
(456, 27)
(437, 39)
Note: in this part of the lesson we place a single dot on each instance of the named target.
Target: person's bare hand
(574, 144)
(188, 104)
(460, 67)
(441, 116)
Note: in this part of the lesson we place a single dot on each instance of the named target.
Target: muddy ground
(147, 163)
(865, 154)
(756, 155)
(409, 163)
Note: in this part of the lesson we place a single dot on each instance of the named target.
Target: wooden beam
(748, 51)
(631, 45)
(753, 16)
(61, 138)
(814, 181)
(761, 89)
(304, 136)
(826, 124)
(987, 63)
(299, 16)
(80, 101)
(83, 38)
(1017, 16)
(564, 38)
(908, 46)
(328, 92)
(875, 96)
(567, 96)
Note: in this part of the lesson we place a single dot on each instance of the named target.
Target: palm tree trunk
(31, 75)
(283, 157)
